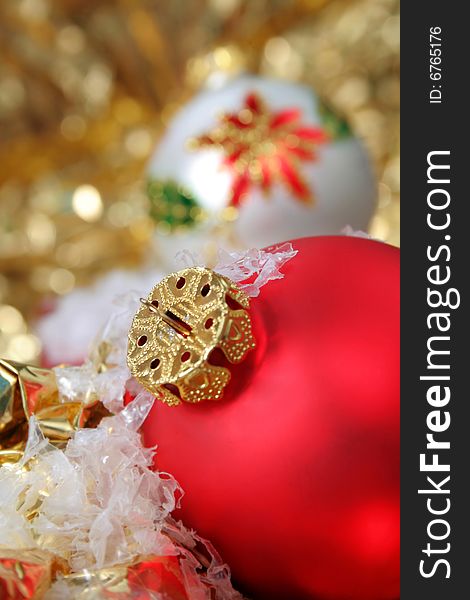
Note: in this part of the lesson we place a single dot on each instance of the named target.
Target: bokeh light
(86, 89)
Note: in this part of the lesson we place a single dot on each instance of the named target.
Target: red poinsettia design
(264, 147)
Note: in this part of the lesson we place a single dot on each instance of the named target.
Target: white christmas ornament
(264, 157)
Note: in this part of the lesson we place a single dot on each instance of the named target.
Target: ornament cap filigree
(187, 316)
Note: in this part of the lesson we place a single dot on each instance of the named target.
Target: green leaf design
(336, 127)
(171, 205)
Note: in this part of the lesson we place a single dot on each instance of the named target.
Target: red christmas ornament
(294, 473)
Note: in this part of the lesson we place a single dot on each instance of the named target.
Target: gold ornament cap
(183, 320)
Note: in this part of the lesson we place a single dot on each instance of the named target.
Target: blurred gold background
(86, 86)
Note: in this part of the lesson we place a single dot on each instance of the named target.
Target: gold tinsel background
(87, 85)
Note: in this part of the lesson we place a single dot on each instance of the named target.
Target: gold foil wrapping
(145, 578)
(27, 390)
(28, 574)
